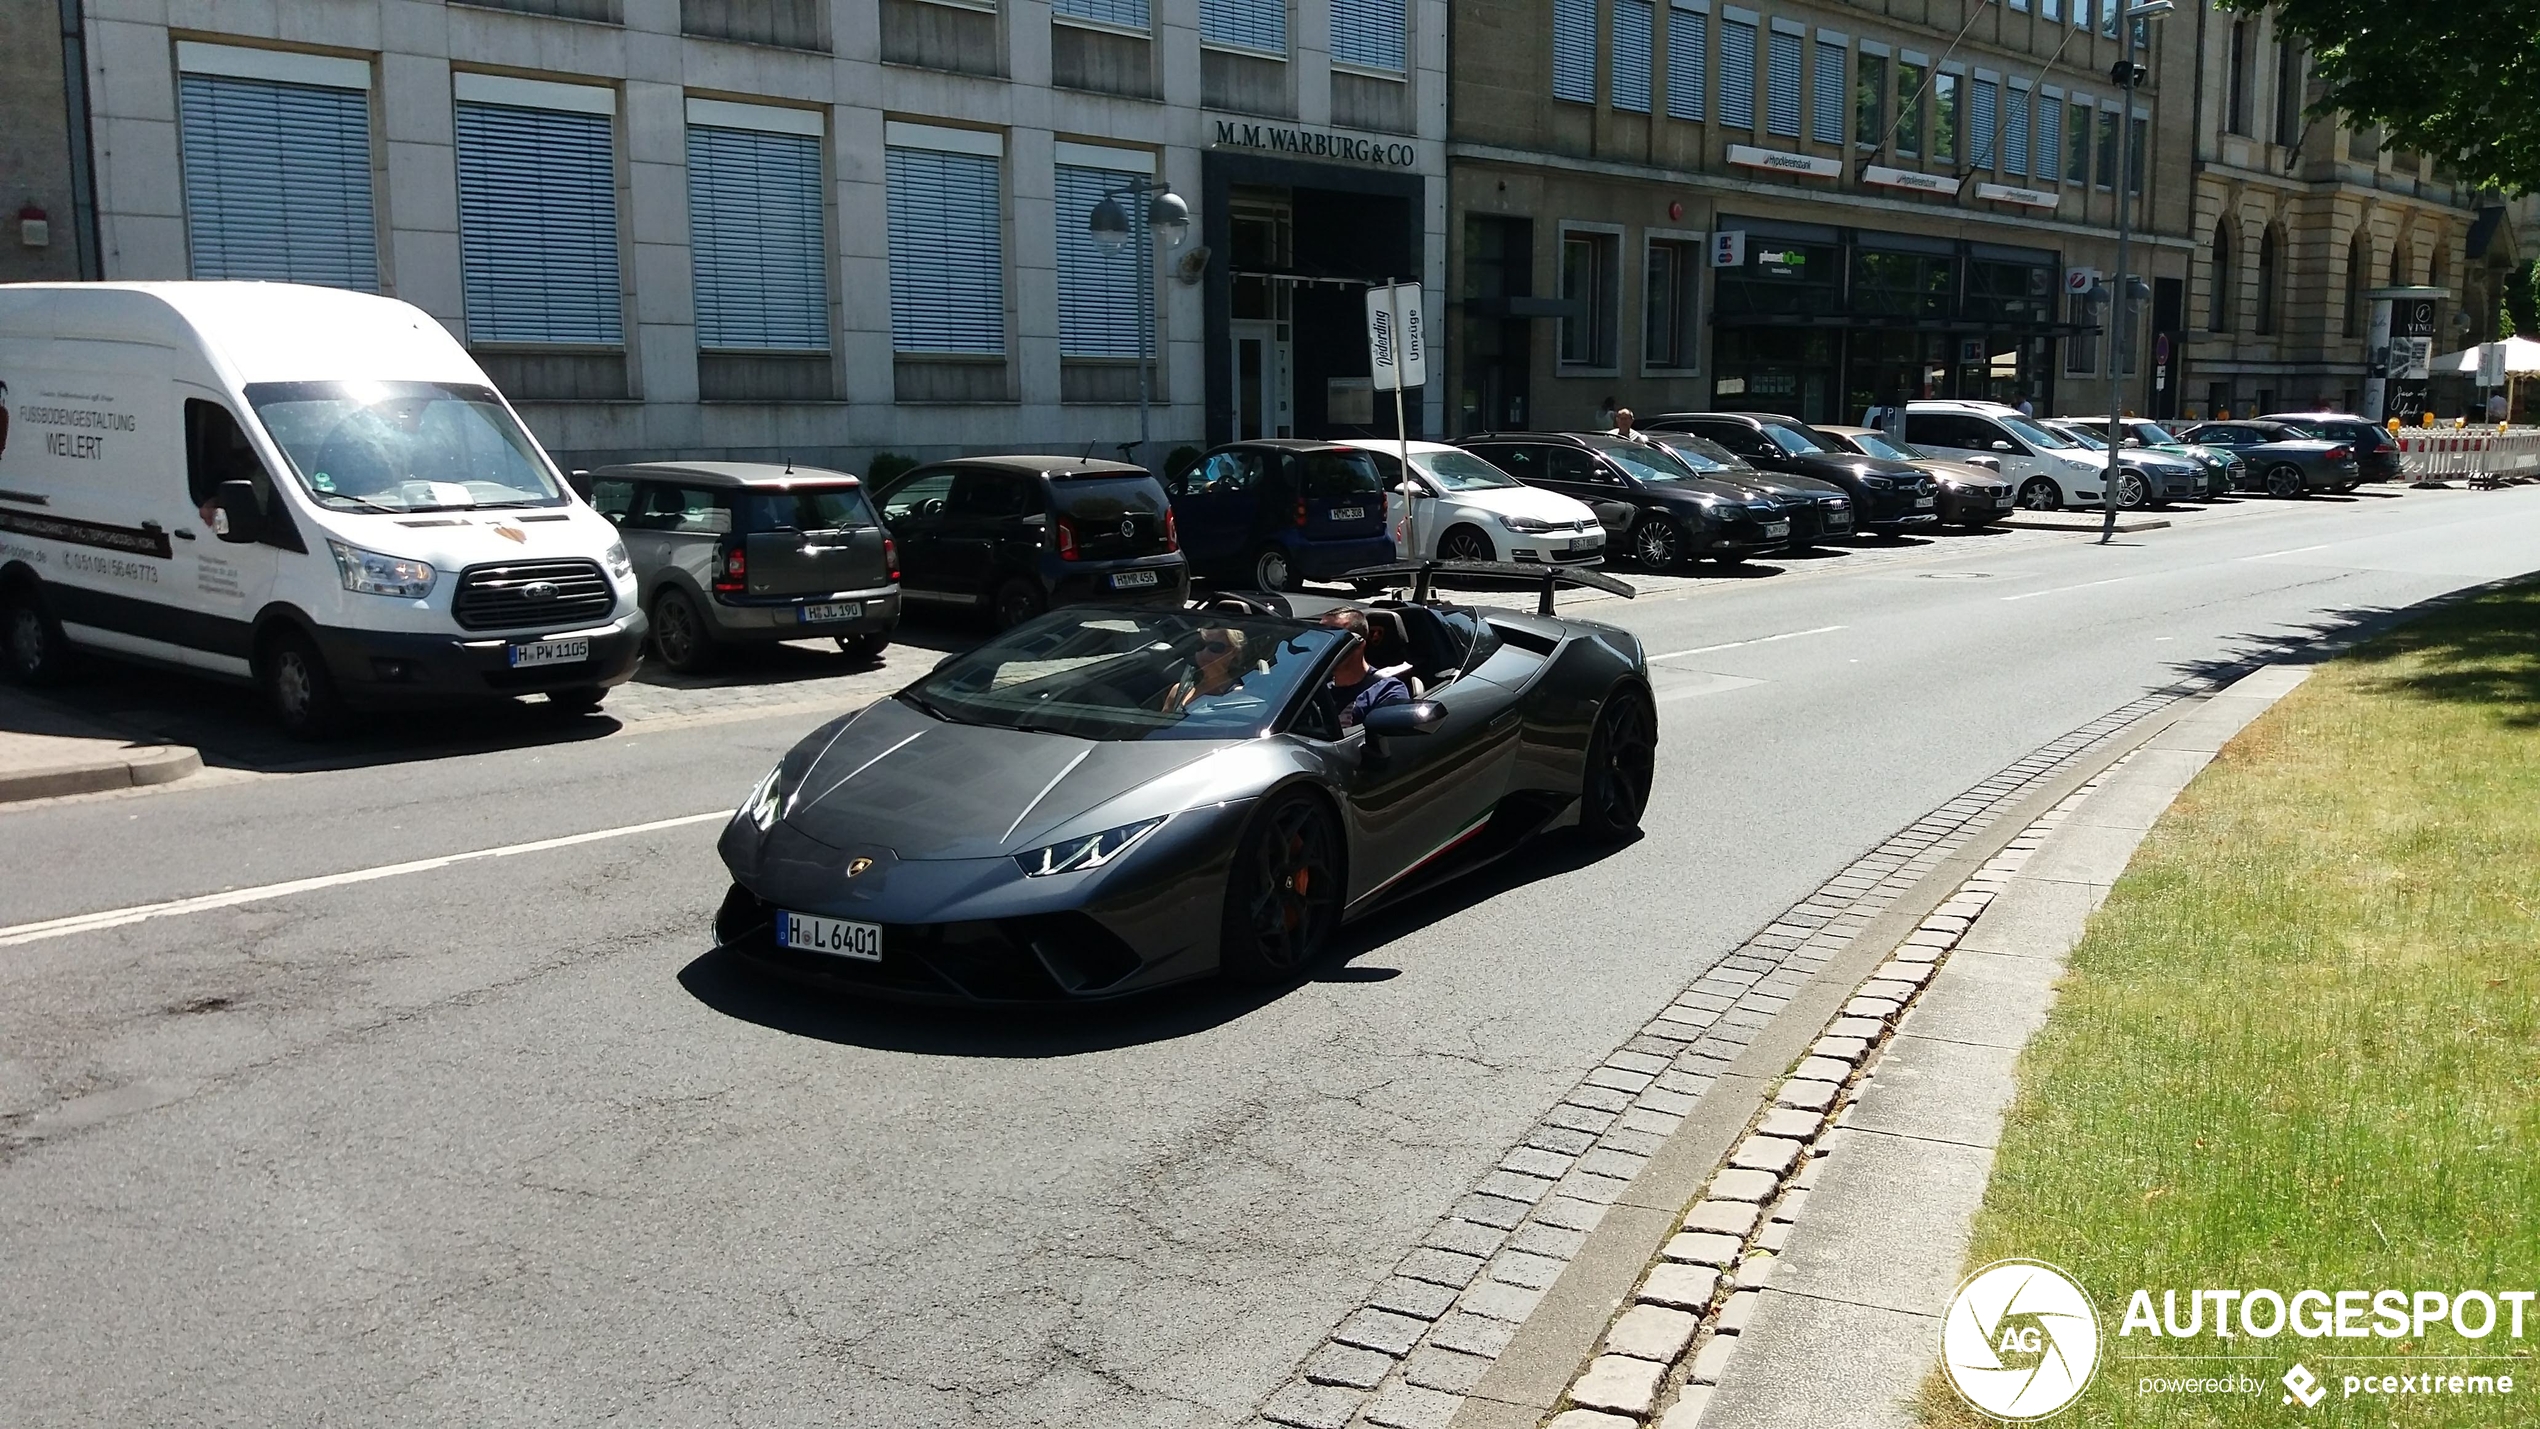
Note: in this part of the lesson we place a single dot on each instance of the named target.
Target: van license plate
(1349, 513)
(835, 936)
(1133, 580)
(549, 652)
(836, 610)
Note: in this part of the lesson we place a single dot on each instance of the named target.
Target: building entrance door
(1265, 381)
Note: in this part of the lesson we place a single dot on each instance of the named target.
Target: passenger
(1216, 667)
(1359, 689)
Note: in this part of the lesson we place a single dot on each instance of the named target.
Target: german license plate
(2003, 500)
(834, 610)
(1132, 580)
(837, 937)
(1923, 501)
(1349, 513)
(1776, 528)
(548, 652)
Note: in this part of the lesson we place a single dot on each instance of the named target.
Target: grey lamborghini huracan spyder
(1103, 800)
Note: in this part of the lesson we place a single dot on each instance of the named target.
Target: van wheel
(579, 700)
(868, 648)
(1018, 600)
(36, 652)
(2040, 494)
(1270, 570)
(300, 687)
(679, 634)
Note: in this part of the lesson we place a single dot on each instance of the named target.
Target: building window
(1372, 34)
(537, 212)
(2107, 148)
(2270, 244)
(2050, 9)
(947, 232)
(2244, 39)
(1737, 72)
(2288, 93)
(277, 174)
(1574, 50)
(1946, 119)
(1980, 101)
(1260, 25)
(1672, 287)
(1781, 107)
(2221, 294)
(2081, 350)
(2077, 142)
(1869, 100)
(2358, 263)
(1588, 289)
(1097, 289)
(755, 232)
(2141, 142)
(1908, 129)
(2108, 18)
(1634, 24)
(2015, 132)
(1127, 14)
(1688, 36)
(1826, 126)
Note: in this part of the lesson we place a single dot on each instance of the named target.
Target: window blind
(1828, 120)
(277, 181)
(1251, 24)
(1980, 115)
(1097, 290)
(1781, 110)
(1737, 73)
(1635, 29)
(537, 225)
(1369, 33)
(1574, 50)
(947, 252)
(1688, 37)
(757, 240)
(1130, 14)
(2015, 132)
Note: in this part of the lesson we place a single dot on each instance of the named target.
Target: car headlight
(374, 574)
(619, 563)
(1089, 852)
(1531, 525)
(766, 799)
(1876, 483)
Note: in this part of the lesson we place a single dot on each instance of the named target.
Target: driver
(1216, 667)
(1358, 689)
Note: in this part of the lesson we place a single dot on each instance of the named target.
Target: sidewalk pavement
(46, 752)
(1849, 1325)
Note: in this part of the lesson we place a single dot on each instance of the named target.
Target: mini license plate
(834, 610)
(1132, 580)
(1349, 513)
(837, 937)
(1923, 501)
(548, 652)
(1776, 528)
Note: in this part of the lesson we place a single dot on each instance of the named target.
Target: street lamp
(2126, 74)
(1109, 226)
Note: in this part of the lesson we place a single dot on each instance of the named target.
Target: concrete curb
(2078, 522)
(124, 769)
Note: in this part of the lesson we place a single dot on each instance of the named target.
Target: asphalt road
(499, 1142)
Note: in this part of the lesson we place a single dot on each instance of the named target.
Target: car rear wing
(1423, 576)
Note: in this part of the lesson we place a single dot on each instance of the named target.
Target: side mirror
(2134, 441)
(2002, 446)
(1409, 717)
(236, 517)
(580, 481)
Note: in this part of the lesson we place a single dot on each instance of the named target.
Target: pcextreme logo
(2020, 1341)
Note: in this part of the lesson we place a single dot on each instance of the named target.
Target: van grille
(520, 593)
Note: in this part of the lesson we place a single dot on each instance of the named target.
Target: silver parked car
(730, 553)
(2285, 461)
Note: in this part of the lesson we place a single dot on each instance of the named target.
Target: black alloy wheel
(1018, 600)
(1656, 543)
(577, 700)
(300, 687)
(2040, 493)
(1622, 762)
(1466, 543)
(2132, 492)
(1283, 892)
(1270, 569)
(679, 634)
(2284, 479)
(35, 651)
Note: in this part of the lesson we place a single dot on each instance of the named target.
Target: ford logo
(538, 590)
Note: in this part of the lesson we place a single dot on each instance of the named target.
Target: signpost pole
(1401, 433)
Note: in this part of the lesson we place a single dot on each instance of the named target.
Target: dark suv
(2376, 451)
(1651, 504)
(1817, 509)
(1015, 535)
(1888, 497)
(1266, 514)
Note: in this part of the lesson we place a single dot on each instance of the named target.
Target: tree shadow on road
(2468, 656)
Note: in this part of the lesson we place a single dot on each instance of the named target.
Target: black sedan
(1653, 506)
(2283, 460)
(1888, 497)
(1816, 509)
(1105, 800)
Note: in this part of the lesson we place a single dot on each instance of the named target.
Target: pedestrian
(2027, 407)
(1623, 427)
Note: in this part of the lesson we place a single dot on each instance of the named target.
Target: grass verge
(2297, 1046)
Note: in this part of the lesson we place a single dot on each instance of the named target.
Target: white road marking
(1758, 640)
(2271, 555)
(2059, 590)
(144, 912)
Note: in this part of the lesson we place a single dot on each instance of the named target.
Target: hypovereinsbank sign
(1323, 144)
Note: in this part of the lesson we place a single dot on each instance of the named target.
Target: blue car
(1267, 514)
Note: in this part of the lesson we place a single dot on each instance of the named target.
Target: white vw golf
(1470, 510)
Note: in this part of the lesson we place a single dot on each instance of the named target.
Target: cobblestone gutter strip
(1663, 1354)
(1554, 1239)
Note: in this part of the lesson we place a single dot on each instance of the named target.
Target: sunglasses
(1217, 647)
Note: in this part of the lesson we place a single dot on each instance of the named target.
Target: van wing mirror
(237, 517)
(580, 481)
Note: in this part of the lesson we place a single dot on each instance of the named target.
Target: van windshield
(404, 446)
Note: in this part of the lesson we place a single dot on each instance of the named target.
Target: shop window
(1782, 278)
(1908, 128)
(1688, 44)
(1672, 287)
(1914, 285)
(2010, 293)
(1947, 122)
(2081, 350)
(1588, 287)
(1869, 100)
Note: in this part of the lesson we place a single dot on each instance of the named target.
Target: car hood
(1526, 501)
(896, 778)
(1837, 466)
(1958, 473)
(1692, 492)
(1780, 484)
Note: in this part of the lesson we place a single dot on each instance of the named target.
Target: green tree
(2522, 296)
(2454, 80)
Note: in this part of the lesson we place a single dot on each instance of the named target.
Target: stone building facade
(44, 223)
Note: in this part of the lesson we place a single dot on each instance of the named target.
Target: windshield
(1700, 453)
(1130, 674)
(404, 446)
(1647, 463)
(1875, 444)
(2152, 434)
(1461, 471)
(2085, 437)
(2035, 435)
(1343, 473)
(1792, 439)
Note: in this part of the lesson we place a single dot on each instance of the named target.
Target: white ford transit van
(313, 490)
